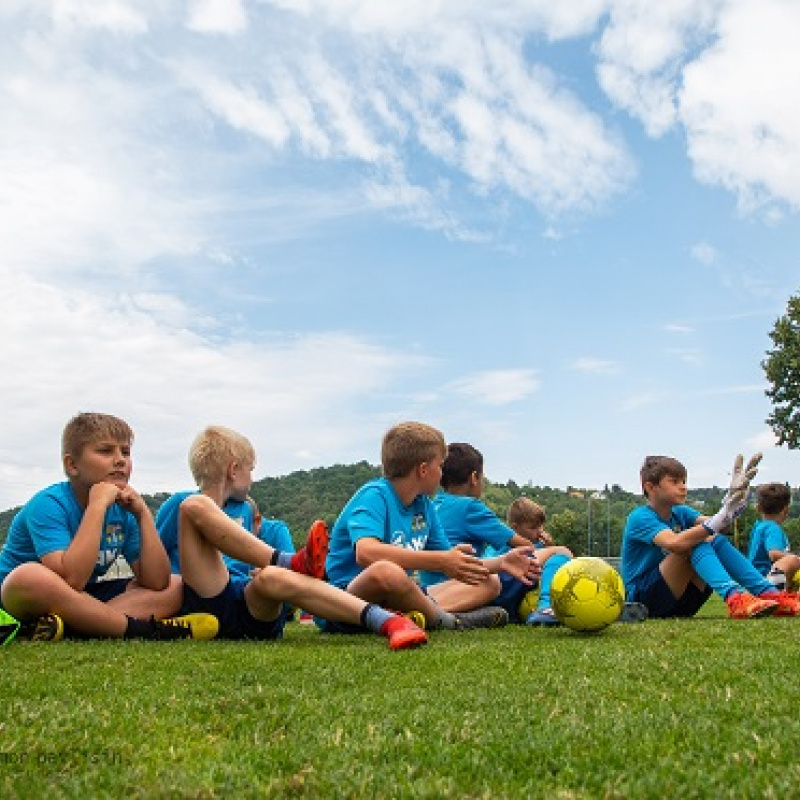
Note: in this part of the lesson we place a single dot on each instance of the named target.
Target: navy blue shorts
(107, 590)
(230, 608)
(512, 590)
(653, 591)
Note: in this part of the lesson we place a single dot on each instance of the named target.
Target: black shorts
(230, 609)
(653, 591)
(107, 590)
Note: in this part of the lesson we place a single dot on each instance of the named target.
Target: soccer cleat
(403, 633)
(743, 605)
(310, 560)
(47, 628)
(417, 617)
(633, 612)
(189, 626)
(486, 617)
(542, 617)
(788, 603)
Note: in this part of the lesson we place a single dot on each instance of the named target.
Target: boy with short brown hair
(769, 544)
(389, 529)
(63, 541)
(673, 557)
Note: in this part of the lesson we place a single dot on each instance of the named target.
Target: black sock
(276, 554)
(139, 628)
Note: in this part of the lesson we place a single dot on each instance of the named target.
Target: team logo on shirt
(111, 544)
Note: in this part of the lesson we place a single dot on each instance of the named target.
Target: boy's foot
(788, 603)
(310, 560)
(417, 617)
(542, 617)
(743, 605)
(633, 612)
(486, 617)
(403, 633)
(189, 626)
(47, 628)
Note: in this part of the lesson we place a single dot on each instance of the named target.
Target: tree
(782, 368)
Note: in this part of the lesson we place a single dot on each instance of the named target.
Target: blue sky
(559, 231)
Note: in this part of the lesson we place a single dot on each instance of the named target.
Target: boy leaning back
(389, 529)
(252, 607)
(673, 557)
(63, 541)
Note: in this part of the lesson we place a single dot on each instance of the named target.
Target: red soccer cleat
(788, 603)
(310, 560)
(403, 633)
(743, 605)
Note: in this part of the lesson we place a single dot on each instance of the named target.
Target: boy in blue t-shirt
(63, 541)
(252, 605)
(769, 544)
(389, 529)
(467, 520)
(673, 557)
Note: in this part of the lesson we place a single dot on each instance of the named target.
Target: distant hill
(583, 519)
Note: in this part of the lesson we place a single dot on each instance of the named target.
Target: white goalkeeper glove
(735, 500)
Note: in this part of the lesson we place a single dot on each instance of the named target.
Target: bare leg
(678, 572)
(32, 590)
(455, 596)
(136, 601)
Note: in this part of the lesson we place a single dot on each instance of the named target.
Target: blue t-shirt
(167, 523)
(48, 523)
(639, 555)
(468, 520)
(376, 512)
(766, 535)
(272, 532)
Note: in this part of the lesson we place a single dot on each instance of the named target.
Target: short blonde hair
(523, 510)
(409, 444)
(89, 427)
(214, 450)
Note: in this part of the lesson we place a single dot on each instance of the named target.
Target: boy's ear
(70, 468)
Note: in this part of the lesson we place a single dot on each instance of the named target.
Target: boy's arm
(458, 562)
(683, 542)
(152, 568)
(76, 564)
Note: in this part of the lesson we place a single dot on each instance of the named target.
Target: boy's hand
(735, 500)
(464, 566)
(103, 493)
(130, 500)
(740, 481)
(521, 563)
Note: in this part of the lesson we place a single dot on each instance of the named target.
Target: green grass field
(694, 708)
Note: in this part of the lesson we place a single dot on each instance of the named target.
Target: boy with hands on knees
(251, 606)
(673, 557)
(63, 541)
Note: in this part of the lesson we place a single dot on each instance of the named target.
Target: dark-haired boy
(769, 544)
(673, 557)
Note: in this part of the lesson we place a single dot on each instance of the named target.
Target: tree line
(588, 521)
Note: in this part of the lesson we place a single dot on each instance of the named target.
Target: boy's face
(430, 474)
(530, 531)
(241, 478)
(669, 489)
(103, 460)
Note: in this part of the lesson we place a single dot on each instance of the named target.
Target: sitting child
(769, 544)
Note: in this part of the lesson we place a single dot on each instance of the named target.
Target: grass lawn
(693, 708)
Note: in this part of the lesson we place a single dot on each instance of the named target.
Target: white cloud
(496, 387)
(217, 16)
(596, 366)
(704, 253)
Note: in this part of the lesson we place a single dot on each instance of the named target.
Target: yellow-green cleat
(188, 626)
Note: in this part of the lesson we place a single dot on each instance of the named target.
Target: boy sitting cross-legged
(63, 541)
(222, 463)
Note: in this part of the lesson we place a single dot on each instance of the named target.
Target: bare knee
(387, 577)
(29, 588)
(277, 583)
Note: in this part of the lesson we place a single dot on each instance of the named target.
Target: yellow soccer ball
(794, 586)
(587, 594)
(528, 604)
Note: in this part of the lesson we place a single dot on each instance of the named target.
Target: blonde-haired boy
(63, 541)
(222, 462)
